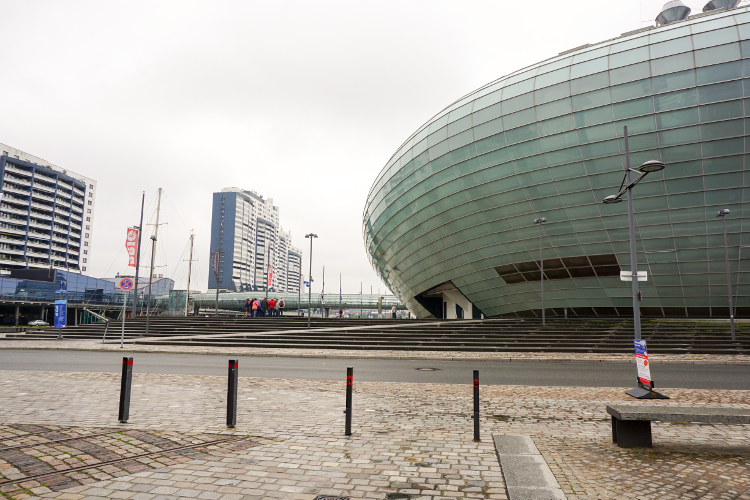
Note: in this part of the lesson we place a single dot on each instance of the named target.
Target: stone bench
(631, 424)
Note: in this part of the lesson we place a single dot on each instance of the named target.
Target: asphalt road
(445, 372)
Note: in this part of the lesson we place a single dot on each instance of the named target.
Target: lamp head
(723, 212)
(311, 235)
(651, 166)
(540, 220)
(611, 199)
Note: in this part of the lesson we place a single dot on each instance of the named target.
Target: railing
(16, 170)
(31, 253)
(12, 210)
(42, 177)
(76, 217)
(38, 225)
(7, 188)
(60, 192)
(32, 243)
(36, 194)
(16, 180)
(78, 192)
(63, 212)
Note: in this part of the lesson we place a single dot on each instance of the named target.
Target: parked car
(38, 322)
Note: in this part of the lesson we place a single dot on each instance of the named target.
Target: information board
(61, 313)
(641, 359)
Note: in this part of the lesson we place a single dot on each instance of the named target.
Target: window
(87, 235)
(91, 194)
(88, 227)
(88, 210)
(83, 268)
(91, 186)
(85, 252)
(85, 243)
(90, 202)
(84, 259)
(88, 219)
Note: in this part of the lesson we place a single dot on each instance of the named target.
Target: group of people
(259, 308)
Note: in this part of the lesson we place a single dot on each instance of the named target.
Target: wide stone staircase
(492, 335)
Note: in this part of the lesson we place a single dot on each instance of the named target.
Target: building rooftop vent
(720, 4)
(671, 12)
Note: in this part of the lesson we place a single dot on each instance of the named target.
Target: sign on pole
(215, 265)
(61, 313)
(131, 244)
(641, 359)
(628, 276)
(126, 284)
(270, 276)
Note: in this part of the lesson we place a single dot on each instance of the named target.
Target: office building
(46, 214)
(245, 230)
(449, 221)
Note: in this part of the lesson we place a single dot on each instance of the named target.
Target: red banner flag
(131, 244)
(270, 276)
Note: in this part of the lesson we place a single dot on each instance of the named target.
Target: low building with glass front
(449, 222)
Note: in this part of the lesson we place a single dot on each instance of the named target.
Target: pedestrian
(341, 313)
(264, 306)
(393, 312)
(280, 307)
(255, 308)
(247, 306)
(271, 307)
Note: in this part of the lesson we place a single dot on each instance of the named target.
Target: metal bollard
(476, 406)
(127, 380)
(348, 411)
(232, 393)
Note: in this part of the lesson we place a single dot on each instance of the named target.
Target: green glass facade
(455, 205)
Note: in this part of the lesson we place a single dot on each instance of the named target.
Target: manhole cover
(325, 497)
(427, 369)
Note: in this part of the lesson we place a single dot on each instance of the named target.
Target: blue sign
(61, 313)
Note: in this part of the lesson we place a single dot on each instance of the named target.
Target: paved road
(369, 370)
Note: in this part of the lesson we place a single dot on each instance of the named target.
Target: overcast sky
(301, 101)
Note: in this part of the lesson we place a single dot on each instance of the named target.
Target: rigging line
(184, 250)
(107, 271)
(175, 211)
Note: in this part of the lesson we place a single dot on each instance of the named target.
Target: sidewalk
(111, 345)
(410, 440)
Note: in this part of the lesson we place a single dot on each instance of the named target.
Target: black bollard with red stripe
(232, 393)
(476, 406)
(125, 383)
(348, 411)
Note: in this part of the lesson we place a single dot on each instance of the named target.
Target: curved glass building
(449, 222)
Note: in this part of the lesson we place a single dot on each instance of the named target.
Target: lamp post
(643, 170)
(722, 213)
(309, 292)
(540, 221)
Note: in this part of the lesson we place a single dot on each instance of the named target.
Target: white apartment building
(245, 229)
(46, 214)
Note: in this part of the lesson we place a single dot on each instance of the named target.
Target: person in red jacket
(271, 307)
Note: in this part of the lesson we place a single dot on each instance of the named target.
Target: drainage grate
(326, 497)
(427, 369)
(397, 496)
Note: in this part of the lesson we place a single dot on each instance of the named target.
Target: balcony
(41, 215)
(39, 265)
(62, 193)
(73, 243)
(41, 206)
(9, 198)
(60, 211)
(76, 217)
(35, 254)
(78, 192)
(16, 170)
(39, 225)
(12, 262)
(36, 194)
(11, 240)
(61, 183)
(38, 234)
(36, 244)
(73, 225)
(42, 177)
(73, 252)
(44, 187)
(7, 188)
(13, 251)
(72, 261)
(59, 240)
(59, 248)
(12, 210)
(4, 228)
(16, 180)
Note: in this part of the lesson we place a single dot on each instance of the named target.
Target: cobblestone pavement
(93, 345)
(412, 440)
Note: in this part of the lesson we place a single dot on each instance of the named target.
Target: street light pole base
(641, 393)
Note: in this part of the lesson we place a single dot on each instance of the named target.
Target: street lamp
(309, 284)
(722, 213)
(626, 187)
(540, 221)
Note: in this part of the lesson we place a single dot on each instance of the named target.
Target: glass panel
(486, 114)
(716, 37)
(525, 149)
(563, 156)
(677, 118)
(439, 123)
(674, 81)
(669, 34)
(719, 72)
(552, 93)
(745, 48)
(720, 92)
(488, 100)
(671, 47)
(589, 67)
(744, 31)
(628, 57)
(635, 107)
(638, 41)
(597, 133)
(556, 108)
(600, 149)
(721, 111)
(592, 82)
(520, 118)
(460, 112)
(631, 90)
(593, 116)
(438, 136)
(674, 100)
(517, 103)
(560, 141)
(491, 143)
(721, 130)
(590, 54)
(521, 134)
(712, 24)
(724, 147)
(518, 89)
(636, 125)
(718, 54)
(672, 64)
(553, 77)
(490, 128)
(591, 99)
(556, 125)
(679, 136)
(459, 125)
(629, 73)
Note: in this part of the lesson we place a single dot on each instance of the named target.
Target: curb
(390, 358)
